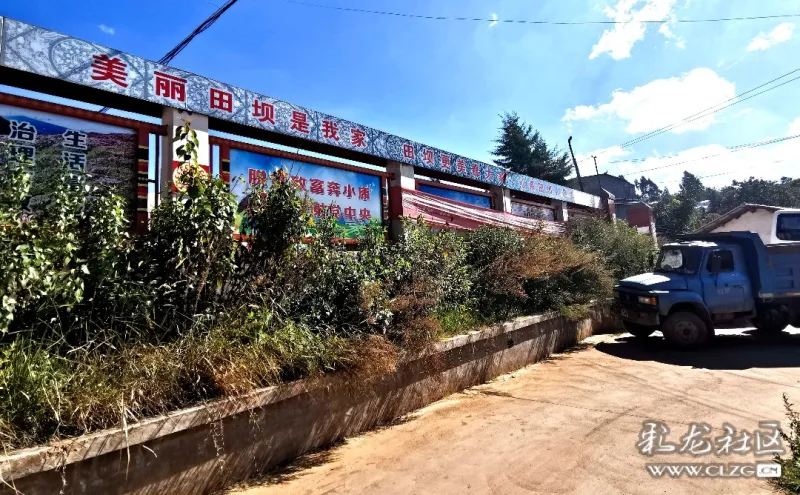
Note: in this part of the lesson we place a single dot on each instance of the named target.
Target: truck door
(728, 291)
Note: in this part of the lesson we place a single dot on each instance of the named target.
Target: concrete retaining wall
(205, 448)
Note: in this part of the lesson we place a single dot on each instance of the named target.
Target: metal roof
(733, 214)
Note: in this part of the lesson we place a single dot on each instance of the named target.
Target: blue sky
(444, 83)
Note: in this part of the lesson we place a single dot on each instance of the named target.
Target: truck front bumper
(636, 315)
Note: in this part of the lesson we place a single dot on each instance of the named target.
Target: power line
(704, 114)
(523, 21)
(732, 149)
(707, 112)
(210, 20)
(719, 174)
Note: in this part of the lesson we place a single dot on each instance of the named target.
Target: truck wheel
(686, 330)
(638, 331)
(771, 320)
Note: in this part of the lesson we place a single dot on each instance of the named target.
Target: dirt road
(568, 425)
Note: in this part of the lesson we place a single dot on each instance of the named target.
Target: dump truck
(704, 281)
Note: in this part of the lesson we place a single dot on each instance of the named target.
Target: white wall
(759, 222)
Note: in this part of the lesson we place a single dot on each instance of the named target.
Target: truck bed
(783, 261)
(774, 269)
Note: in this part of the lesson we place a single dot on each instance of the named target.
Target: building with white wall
(759, 219)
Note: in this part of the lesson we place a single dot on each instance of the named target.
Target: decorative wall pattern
(33, 49)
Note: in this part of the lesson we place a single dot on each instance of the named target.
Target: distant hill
(42, 127)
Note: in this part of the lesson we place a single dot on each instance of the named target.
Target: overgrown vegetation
(789, 481)
(100, 328)
(623, 250)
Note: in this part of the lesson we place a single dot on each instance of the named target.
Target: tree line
(684, 211)
(521, 148)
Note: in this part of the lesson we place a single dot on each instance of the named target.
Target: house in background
(759, 219)
(596, 184)
(621, 199)
(639, 215)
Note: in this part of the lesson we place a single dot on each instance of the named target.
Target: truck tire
(771, 319)
(686, 330)
(638, 331)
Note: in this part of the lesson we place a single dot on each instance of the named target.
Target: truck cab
(703, 281)
(785, 226)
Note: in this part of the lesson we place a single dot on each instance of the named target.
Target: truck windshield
(679, 260)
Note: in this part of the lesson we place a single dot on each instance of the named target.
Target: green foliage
(99, 327)
(625, 251)
(648, 190)
(556, 273)
(541, 274)
(487, 244)
(785, 192)
(42, 275)
(789, 481)
(459, 320)
(276, 219)
(433, 264)
(188, 253)
(678, 214)
(524, 150)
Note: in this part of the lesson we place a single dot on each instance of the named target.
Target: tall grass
(100, 329)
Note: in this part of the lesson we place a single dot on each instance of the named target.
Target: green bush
(789, 481)
(187, 255)
(495, 291)
(43, 276)
(98, 327)
(524, 274)
(624, 250)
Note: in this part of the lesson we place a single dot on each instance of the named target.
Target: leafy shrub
(489, 248)
(624, 250)
(106, 328)
(789, 481)
(277, 218)
(42, 275)
(435, 261)
(188, 254)
(544, 273)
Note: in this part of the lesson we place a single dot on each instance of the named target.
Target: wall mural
(353, 198)
(106, 152)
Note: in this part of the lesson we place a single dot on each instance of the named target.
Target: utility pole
(575, 162)
(599, 184)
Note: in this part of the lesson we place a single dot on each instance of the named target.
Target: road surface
(567, 425)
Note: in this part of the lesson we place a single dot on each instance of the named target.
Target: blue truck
(705, 281)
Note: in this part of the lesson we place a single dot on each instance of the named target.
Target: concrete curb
(209, 446)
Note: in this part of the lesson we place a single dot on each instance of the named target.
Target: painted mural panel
(532, 211)
(107, 153)
(353, 198)
(464, 197)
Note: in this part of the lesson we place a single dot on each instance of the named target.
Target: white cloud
(106, 29)
(603, 155)
(794, 127)
(494, 21)
(768, 162)
(781, 33)
(661, 102)
(619, 40)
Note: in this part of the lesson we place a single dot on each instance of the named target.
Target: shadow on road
(744, 350)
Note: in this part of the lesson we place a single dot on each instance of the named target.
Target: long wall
(205, 448)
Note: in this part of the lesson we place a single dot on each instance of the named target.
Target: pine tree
(648, 190)
(522, 149)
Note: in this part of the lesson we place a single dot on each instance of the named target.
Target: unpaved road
(568, 425)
